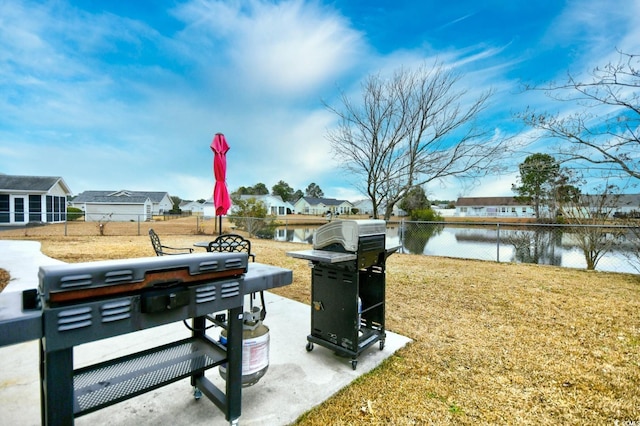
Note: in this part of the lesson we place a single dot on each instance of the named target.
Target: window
(49, 208)
(18, 207)
(4, 208)
(55, 208)
(35, 208)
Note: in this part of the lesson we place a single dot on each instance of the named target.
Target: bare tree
(410, 129)
(605, 130)
(632, 238)
(595, 236)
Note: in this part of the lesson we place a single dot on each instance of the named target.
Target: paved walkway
(295, 382)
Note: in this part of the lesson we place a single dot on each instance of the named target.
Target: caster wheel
(197, 393)
(381, 344)
(309, 347)
(354, 363)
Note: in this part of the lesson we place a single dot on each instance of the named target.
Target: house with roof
(274, 204)
(321, 206)
(123, 205)
(195, 207)
(365, 207)
(628, 205)
(493, 207)
(32, 199)
(618, 206)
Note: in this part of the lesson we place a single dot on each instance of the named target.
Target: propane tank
(255, 348)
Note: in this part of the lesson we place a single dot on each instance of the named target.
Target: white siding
(116, 212)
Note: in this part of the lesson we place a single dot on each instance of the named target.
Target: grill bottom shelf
(368, 338)
(107, 383)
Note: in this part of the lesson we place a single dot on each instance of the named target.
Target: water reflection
(415, 236)
(295, 235)
(537, 245)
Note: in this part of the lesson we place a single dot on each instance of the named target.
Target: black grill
(348, 286)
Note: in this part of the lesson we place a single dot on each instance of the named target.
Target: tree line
(281, 189)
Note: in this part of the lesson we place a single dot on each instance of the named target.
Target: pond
(546, 245)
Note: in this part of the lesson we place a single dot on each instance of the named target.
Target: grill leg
(234, 366)
(56, 386)
(198, 325)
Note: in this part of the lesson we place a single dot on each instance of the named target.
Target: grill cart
(84, 302)
(347, 286)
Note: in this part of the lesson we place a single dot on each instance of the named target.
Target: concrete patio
(295, 382)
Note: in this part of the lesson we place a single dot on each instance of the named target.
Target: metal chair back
(233, 243)
(162, 250)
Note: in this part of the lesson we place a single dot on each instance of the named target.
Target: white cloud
(272, 49)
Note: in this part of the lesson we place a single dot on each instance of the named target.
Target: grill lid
(77, 281)
(347, 233)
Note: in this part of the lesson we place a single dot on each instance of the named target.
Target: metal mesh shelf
(116, 380)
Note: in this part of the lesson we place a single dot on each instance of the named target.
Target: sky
(128, 95)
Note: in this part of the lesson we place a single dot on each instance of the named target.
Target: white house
(365, 206)
(320, 206)
(196, 208)
(628, 206)
(274, 204)
(122, 206)
(493, 207)
(35, 199)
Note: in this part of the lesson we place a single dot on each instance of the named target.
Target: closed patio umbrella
(221, 198)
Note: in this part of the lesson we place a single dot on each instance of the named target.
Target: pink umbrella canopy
(221, 198)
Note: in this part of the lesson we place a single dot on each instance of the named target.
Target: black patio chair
(162, 250)
(234, 243)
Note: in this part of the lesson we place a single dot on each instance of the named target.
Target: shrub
(74, 213)
(425, 215)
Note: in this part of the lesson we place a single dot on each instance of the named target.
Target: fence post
(498, 244)
(138, 225)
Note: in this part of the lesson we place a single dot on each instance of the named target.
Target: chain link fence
(168, 224)
(601, 247)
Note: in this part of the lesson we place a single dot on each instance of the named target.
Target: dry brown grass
(4, 279)
(493, 343)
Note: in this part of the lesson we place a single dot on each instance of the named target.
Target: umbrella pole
(220, 224)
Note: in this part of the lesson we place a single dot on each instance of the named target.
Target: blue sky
(128, 95)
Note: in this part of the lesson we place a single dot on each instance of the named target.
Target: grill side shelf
(107, 383)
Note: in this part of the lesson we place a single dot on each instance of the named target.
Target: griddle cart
(84, 302)
(347, 286)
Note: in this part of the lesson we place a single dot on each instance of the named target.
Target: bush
(425, 215)
(74, 213)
